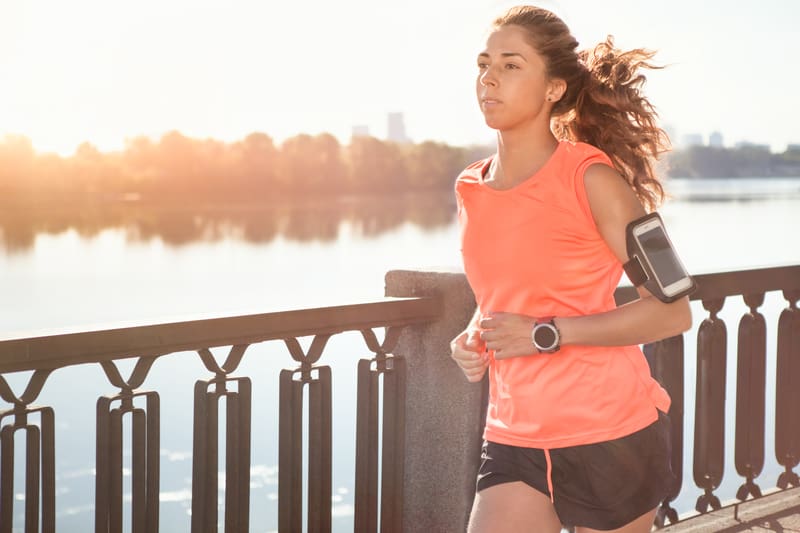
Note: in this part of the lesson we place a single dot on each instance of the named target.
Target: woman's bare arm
(647, 319)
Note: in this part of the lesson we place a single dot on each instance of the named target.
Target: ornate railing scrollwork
(146, 342)
(392, 369)
(40, 499)
(145, 449)
(290, 446)
(205, 448)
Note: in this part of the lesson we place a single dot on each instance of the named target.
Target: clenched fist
(469, 351)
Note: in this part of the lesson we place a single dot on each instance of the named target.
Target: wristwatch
(545, 335)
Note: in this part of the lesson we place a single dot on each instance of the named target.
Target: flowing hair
(603, 104)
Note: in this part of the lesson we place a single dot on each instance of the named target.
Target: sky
(104, 71)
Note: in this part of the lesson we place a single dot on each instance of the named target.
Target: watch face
(545, 336)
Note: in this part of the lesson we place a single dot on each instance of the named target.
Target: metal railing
(381, 485)
(667, 364)
(46, 353)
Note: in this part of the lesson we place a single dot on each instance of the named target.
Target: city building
(360, 130)
(396, 128)
(715, 139)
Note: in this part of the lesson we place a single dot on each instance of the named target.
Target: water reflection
(312, 220)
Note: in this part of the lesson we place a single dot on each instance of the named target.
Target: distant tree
(717, 162)
(139, 159)
(712, 161)
(296, 167)
(787, 163)
(331, 172)
(310, 166)
(792, 153)
(94, 172)
(751, 161)
(17, 167)
(433, 165)
(53, 177)
(212, 177)
(254, 161)
(376, 166)
(176, 163)
(476, 152)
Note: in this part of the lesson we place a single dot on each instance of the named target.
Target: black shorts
(602, 486)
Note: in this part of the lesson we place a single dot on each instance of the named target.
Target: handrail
(55, 349)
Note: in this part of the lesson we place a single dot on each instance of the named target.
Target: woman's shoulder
(581, 151)
(474, 172)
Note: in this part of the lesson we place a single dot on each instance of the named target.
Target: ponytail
(611, 113)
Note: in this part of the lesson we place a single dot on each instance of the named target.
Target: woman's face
(512, 84)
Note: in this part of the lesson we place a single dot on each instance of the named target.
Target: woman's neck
(520, 155)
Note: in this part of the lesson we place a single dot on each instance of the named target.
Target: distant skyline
(99, 71)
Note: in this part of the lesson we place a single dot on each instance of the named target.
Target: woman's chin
(493, 122)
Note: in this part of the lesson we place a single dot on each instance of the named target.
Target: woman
(576, 431)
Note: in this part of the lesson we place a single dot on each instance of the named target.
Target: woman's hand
(469, 351)
(508, 334)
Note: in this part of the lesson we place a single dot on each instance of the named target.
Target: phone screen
(662, 258)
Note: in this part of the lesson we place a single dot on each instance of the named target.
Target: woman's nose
(487, 78)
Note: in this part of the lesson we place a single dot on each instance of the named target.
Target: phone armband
(653, 262)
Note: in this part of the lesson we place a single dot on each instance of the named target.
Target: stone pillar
(444, 412)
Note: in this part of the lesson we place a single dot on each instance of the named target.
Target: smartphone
(657, 251)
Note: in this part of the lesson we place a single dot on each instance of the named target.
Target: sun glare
(99, 71)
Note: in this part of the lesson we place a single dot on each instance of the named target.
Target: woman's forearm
(638, 322)
(473, 322)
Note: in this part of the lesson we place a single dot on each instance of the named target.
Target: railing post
(444, 412)
(787, 393)
(666, 360)
(751, 377)
(709, 417)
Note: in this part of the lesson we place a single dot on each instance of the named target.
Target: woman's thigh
(512, 507)
(643, 524)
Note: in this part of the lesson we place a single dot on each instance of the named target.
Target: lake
(65, 269)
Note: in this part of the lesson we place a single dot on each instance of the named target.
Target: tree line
(743, 161)
(179, 168)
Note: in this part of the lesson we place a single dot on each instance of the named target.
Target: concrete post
(444, 412)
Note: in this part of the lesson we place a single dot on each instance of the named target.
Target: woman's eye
(511, 66)
(482, 66)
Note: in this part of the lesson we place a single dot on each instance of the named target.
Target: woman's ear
(556, 89)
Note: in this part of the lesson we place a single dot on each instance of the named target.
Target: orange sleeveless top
(534, 249)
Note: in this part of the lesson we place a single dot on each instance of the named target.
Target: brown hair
(603, 104)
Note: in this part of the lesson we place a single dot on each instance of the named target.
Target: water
(133, 264)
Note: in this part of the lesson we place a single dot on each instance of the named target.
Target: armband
(653, 262)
